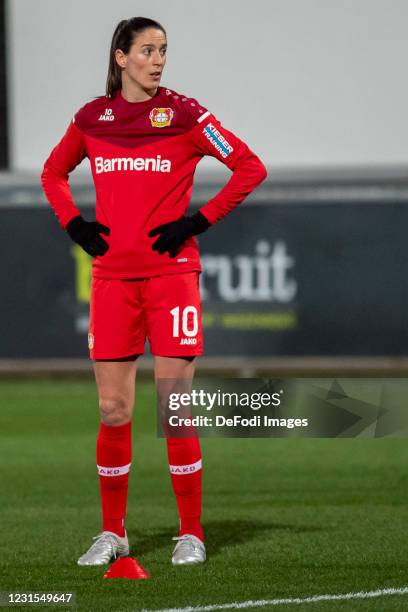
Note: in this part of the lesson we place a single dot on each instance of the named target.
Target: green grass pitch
(283, 518)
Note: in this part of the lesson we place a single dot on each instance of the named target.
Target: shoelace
(186, 540)
(100, 539)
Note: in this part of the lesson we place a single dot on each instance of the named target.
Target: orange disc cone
(127, 567)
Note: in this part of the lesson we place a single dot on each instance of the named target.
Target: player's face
(146, 58)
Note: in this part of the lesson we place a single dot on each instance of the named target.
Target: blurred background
(308, 275)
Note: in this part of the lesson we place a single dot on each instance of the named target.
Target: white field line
(237, 605)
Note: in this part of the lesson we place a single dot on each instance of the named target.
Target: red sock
(185, 469)
(113, 457)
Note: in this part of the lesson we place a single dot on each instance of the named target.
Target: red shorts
(165, 309)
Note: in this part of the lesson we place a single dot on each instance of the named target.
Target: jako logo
(188, 341)
(107, 116)
(114, 164)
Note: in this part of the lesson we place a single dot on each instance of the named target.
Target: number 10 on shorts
(189, 324)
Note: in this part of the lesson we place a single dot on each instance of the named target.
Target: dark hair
(123, 37)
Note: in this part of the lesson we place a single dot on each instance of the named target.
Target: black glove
(175, 233)
(86, 234)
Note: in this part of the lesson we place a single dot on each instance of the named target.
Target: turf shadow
(219, 534)
(143, 543)
(227, 533)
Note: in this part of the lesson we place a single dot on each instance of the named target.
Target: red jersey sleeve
(68, 153)
(209, 137)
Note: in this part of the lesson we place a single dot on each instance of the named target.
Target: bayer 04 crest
(161, 117)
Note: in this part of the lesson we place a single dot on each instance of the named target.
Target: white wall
(304, 82)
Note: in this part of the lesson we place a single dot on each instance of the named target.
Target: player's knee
(114, 410)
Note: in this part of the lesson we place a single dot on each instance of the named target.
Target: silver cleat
(188, 551)
(107, 545)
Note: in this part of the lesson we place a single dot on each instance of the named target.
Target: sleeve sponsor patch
(217, 140)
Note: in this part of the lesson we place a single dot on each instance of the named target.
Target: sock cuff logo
(113, 471)
(181, 470)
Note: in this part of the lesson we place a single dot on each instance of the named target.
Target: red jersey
(143, 156)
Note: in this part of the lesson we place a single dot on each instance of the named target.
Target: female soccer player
(143, 142)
